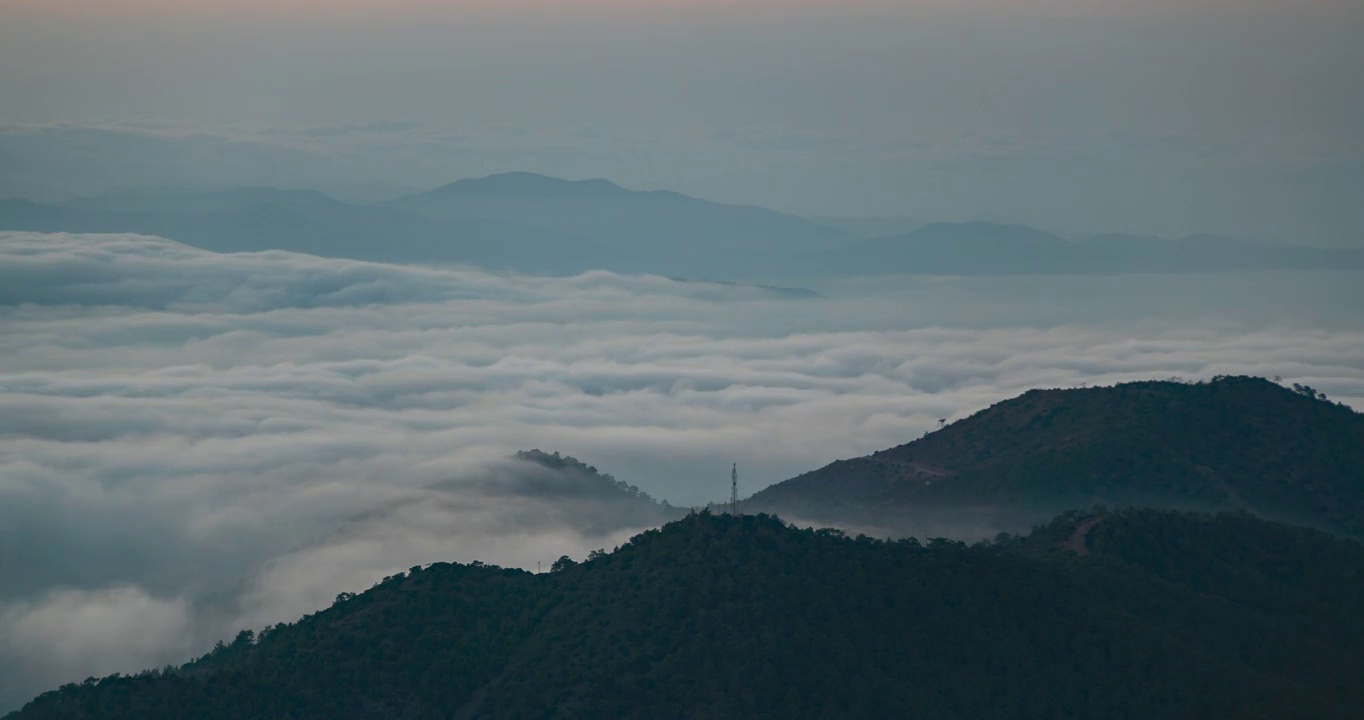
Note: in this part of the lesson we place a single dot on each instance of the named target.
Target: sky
(1240, 118)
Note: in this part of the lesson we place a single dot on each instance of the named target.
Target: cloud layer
(191, 443)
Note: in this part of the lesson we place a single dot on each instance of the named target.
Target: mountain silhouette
(984, 248)
(252, 220)
(514, 221)
(523, 185)
(537, 224)
(959, 249)
(656, 231)
(1235, 443)
(1135, 614)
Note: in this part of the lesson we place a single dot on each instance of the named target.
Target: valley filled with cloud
(193, 443)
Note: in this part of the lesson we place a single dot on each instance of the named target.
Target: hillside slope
(1167, 615)
(1236, 443)
(595, 502)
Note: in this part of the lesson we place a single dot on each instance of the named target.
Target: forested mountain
(594, 502)
(1236, 443)
(1136, 614)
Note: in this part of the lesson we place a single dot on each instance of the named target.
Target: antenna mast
(734, 490)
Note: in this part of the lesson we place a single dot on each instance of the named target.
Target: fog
(192, 443)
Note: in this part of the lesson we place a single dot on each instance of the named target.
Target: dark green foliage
(594, 501)
(1235, 443)
(593, 479)
(1164, 615)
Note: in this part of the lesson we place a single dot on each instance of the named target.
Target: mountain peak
(986, 231)
(528, 184)
(1235, 443)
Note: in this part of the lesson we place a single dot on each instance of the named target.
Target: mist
(202, 442)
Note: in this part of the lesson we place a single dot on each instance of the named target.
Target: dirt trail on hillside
(1078, 542)
(914, 467)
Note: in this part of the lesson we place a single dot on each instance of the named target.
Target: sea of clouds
(192, 443)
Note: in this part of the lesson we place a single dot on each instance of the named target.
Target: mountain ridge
(527, 222)
(670, 233)
(1235, 443)
(526, 184)
(988, 248)
(1165, 615)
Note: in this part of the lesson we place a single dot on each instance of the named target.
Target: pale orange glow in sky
(78, 10)
(531, 9)
(171, 7)
(290, 6)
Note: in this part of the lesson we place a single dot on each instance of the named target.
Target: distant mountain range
(516, 221)
(989, 248)
(1235, 443)
(250, 220)
(1135, 614)
(659, 232)
(868, 227)
(537, 224)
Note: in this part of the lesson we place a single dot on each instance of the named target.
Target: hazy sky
(1172, 117)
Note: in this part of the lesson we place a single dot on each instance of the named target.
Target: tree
(563, 563)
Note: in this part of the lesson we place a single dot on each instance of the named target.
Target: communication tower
(734, 490)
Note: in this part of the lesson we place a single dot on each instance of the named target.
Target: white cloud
(70, 631)
(229, 440)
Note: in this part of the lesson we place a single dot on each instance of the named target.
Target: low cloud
(225, 441)
(93, 631)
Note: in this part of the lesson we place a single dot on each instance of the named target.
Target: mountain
(959, 249)
(1236, 443)
(514, 221)
(1208, 253)
(1137, 614)
(254, 219)
(532, 223)
(522, 185)
(868, 227)
(656, 231)
(257, 219)
(597, 501)
(976, 248)
(194, 200)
